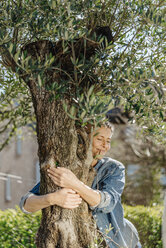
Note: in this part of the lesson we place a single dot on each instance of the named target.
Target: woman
(104, 197)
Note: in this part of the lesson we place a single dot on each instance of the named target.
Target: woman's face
(101, 142)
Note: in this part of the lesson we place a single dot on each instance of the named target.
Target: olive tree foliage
(100, 72)
(15, 106)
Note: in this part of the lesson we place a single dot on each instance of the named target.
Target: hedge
(17, 230)
(148, 221)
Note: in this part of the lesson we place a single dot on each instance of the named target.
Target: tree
(77, 59)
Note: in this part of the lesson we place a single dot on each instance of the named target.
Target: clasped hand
(64, 178)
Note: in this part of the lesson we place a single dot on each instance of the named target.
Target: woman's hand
(64, 178)
(65, 198)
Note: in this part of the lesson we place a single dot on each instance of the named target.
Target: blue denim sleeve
(36, 189)
(110, 189)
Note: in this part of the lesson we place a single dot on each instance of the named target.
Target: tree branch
(113, 15)
(4, 128)
(15, 35)
(9, 62)
(7, 59)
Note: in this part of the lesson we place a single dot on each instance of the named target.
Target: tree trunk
(59, 139)
(59, 145)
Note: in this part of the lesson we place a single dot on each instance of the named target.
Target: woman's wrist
(79, 186)
(51, 199)
(92, 197)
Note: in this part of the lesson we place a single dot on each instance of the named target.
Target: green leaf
(72, 110)
(39, 80)
(11, 47)
(83, 114)
(65, 107)
(90, 91)
(53, 4)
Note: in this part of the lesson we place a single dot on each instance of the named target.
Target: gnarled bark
(58, 143)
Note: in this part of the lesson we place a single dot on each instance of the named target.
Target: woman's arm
(35, 202)
(109, 193)
(65, 178)
(65, 198)
(111, 187)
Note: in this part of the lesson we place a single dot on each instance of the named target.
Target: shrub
(148, 221)
(17, 230)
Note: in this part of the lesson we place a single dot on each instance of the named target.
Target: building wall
(18, 159)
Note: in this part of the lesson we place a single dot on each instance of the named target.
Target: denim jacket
(108, 215)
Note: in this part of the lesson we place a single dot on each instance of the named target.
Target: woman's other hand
(65, 198)
(63, 177)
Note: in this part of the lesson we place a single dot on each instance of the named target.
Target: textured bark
(58, 144)
(61, 143)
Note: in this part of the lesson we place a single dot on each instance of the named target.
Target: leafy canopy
(127, 71)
